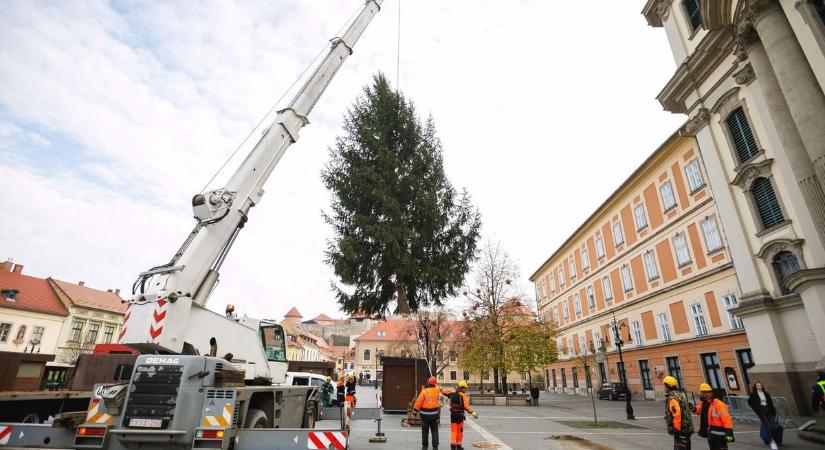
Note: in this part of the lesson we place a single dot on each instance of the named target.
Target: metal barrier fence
(741, 412)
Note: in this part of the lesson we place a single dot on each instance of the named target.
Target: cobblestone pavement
(529, 427)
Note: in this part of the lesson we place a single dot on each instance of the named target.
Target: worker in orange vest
(715, 422)
(429, 409)
(677, 414)
(458, 404)
(350, 389)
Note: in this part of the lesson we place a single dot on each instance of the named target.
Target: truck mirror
(123, 372)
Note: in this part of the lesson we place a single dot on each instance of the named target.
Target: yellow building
(749, 76)
(653, 258)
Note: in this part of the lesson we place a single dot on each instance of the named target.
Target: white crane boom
(167, 309)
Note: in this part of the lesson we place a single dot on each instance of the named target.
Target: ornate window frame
(748, 173)
(811, 18)
(771, 248)
(726, 105)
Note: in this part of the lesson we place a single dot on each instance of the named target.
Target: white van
(305, 379)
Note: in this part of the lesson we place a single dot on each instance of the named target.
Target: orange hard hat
(432, 381)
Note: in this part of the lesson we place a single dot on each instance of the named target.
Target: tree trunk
(403, 307)
(495, 380)
(530, 379)
(504, 382)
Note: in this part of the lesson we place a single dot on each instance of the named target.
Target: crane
(167, 311)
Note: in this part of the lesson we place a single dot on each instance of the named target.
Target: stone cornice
(656, 12)
(750, 171)
(711, 52)
(801, 279)
(716, 14)
(750, 307)
(778, 245)
(695, 123)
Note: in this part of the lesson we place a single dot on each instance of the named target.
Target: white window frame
(694, 175)
(577, 304)
(585, 255)
(556, 316)
(641, 218)
(664, 327)
(583, 345)
(618, 236)
(564, 311)
(735, 321)
(636, 331)
(699, 319)
(627, 278)
(682, 252)
(668, 197)
(571, 346)
(713, 238)
(561, 276)
(597, 340)
(607, 288)
(72, 330)
(552, 282)
(600, 252)
(651, 268)
(572, 264)
(591, 298)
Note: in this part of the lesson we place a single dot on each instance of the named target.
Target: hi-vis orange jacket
(718, 415)
(427, 403)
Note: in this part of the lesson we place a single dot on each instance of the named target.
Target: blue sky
(113, 114)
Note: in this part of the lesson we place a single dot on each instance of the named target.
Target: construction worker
(458, 404)
(818, 393)
(429, 409)
(677, 414)
(715, 422)
(340, 392)
(351, 390)
(326, 392)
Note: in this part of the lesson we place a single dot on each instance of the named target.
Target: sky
(114, 114)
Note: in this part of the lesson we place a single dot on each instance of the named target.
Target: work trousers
(681, 441)
(351, 400)
(429, 424)
(717, 442)
(457, 433)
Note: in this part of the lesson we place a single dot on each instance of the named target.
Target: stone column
(788, 133)
(796, 79)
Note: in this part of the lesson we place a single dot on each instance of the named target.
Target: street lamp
(616, 327)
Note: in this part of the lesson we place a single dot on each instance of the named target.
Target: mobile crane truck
(204, 380)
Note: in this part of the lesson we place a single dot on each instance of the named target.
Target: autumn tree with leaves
(434, 337)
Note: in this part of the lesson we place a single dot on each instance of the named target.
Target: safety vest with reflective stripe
(427, 402)
(717, 414)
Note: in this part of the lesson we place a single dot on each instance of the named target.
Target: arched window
(740, 132)
(764, 199)
(785, 264)
(692, 10)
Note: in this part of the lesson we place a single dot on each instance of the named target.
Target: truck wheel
(30, 417)
(256, 418)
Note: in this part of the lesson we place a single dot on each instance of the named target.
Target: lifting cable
(311, 65)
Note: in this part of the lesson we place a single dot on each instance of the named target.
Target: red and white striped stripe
(323, 440)
(5, 434)
(125, 320)
(158, 316)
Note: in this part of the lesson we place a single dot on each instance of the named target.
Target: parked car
(613, 391)
(305, 379)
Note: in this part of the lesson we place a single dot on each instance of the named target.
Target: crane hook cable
(277, 102)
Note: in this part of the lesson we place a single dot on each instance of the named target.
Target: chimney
(81, 283)
(18, 268)
(6, 266)
(117, 291)
(108, 290)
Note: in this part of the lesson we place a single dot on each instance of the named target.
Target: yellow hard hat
(704, 387)
(670, 381)
(462, 384)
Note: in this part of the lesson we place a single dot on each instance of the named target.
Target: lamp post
(616, 327)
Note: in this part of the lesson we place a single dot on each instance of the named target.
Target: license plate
(146, 423)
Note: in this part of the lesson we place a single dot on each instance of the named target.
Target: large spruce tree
(403, 234)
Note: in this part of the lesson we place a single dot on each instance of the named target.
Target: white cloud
(543, 109)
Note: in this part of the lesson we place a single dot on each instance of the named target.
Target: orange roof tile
(403, 330)
(34, 294)
(91, 298)
(293, 313)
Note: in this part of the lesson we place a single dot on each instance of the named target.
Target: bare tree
(432, 336)
(496, 304)
(586, 359)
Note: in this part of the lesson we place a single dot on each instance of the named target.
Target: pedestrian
(818, 393)
(340, 392)
(677, 414)
(534, 394)
(326, 392)
(429, 409)
(761, 403)
(350, 390)
(459, 403)
(715, 422)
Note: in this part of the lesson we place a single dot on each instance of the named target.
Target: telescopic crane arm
(169, 296)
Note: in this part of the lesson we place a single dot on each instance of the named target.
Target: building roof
(33, 294)
(404, 330)
(293, 313)
(324, 318)
(82, 295)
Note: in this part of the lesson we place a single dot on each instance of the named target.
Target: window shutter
(742, 135)
(692, 8)
(765, 200)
